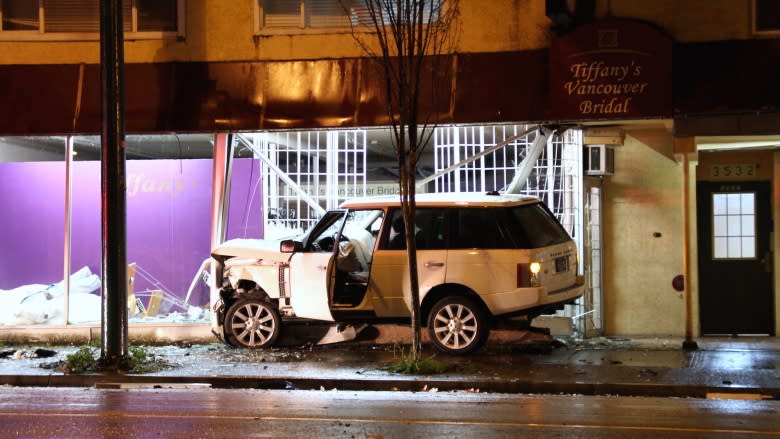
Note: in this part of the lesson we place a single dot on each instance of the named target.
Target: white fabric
(39, 303)
(363, 241)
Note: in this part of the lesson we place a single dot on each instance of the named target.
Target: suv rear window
(534, 226)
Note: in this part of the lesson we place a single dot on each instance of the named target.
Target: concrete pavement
(512, 362)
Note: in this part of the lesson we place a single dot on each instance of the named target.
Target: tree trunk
(408, 207)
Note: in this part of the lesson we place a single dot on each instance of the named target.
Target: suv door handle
(434, 264)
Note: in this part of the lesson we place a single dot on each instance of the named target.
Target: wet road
(208, 413)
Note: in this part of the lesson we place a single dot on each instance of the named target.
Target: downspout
(684, 146)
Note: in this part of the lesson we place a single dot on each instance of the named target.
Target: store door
(735, 259)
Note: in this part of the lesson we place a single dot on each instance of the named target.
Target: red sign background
(611, 69)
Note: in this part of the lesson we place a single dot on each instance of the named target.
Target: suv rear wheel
(252, 323)
(457, 325)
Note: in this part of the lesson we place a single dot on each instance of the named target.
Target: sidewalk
(744, 368)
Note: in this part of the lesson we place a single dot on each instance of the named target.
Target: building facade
(679, 99)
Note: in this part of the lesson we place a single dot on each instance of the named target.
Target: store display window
(53, 210)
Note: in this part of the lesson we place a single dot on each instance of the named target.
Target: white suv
(479, 257)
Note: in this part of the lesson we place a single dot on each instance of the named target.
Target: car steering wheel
(324, 244)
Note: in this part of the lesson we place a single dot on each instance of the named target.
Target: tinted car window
(533, 226)
(428, 225)
(393, 239)
(478, 228)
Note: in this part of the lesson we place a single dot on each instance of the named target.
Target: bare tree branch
(411, 37)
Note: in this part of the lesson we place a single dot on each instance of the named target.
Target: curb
(409, 384)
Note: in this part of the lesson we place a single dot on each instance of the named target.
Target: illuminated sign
(611, 69)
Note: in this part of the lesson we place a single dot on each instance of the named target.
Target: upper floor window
(766, 17)
(323, 14)
(80, 19)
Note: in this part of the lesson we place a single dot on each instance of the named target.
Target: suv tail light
(528, 275)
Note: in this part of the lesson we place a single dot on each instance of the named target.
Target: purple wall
(32, 196)
(245, 219)
(168, 220)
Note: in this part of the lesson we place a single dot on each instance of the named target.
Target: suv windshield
(533, 226)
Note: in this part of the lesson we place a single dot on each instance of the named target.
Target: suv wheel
(457, 325)
(252, 323)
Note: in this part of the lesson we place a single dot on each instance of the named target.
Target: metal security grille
(305, 173)
(591, 321)
(556, 177)
(491, 172)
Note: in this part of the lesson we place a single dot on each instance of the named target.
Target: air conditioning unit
(599, 160)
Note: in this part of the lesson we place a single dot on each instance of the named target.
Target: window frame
(133, 34)
(302, 29)
(754, 21)
(726, 232)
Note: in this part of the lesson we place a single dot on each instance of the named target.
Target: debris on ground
(18, 354)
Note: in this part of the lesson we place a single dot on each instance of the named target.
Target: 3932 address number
(724, 171)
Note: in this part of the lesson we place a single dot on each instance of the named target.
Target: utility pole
(113, 188)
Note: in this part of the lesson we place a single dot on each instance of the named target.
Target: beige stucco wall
(218, 30)
(643, 198)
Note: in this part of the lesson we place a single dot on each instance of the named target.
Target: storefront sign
(350, 190)
(611, 69)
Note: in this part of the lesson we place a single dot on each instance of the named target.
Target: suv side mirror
(290, 246)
